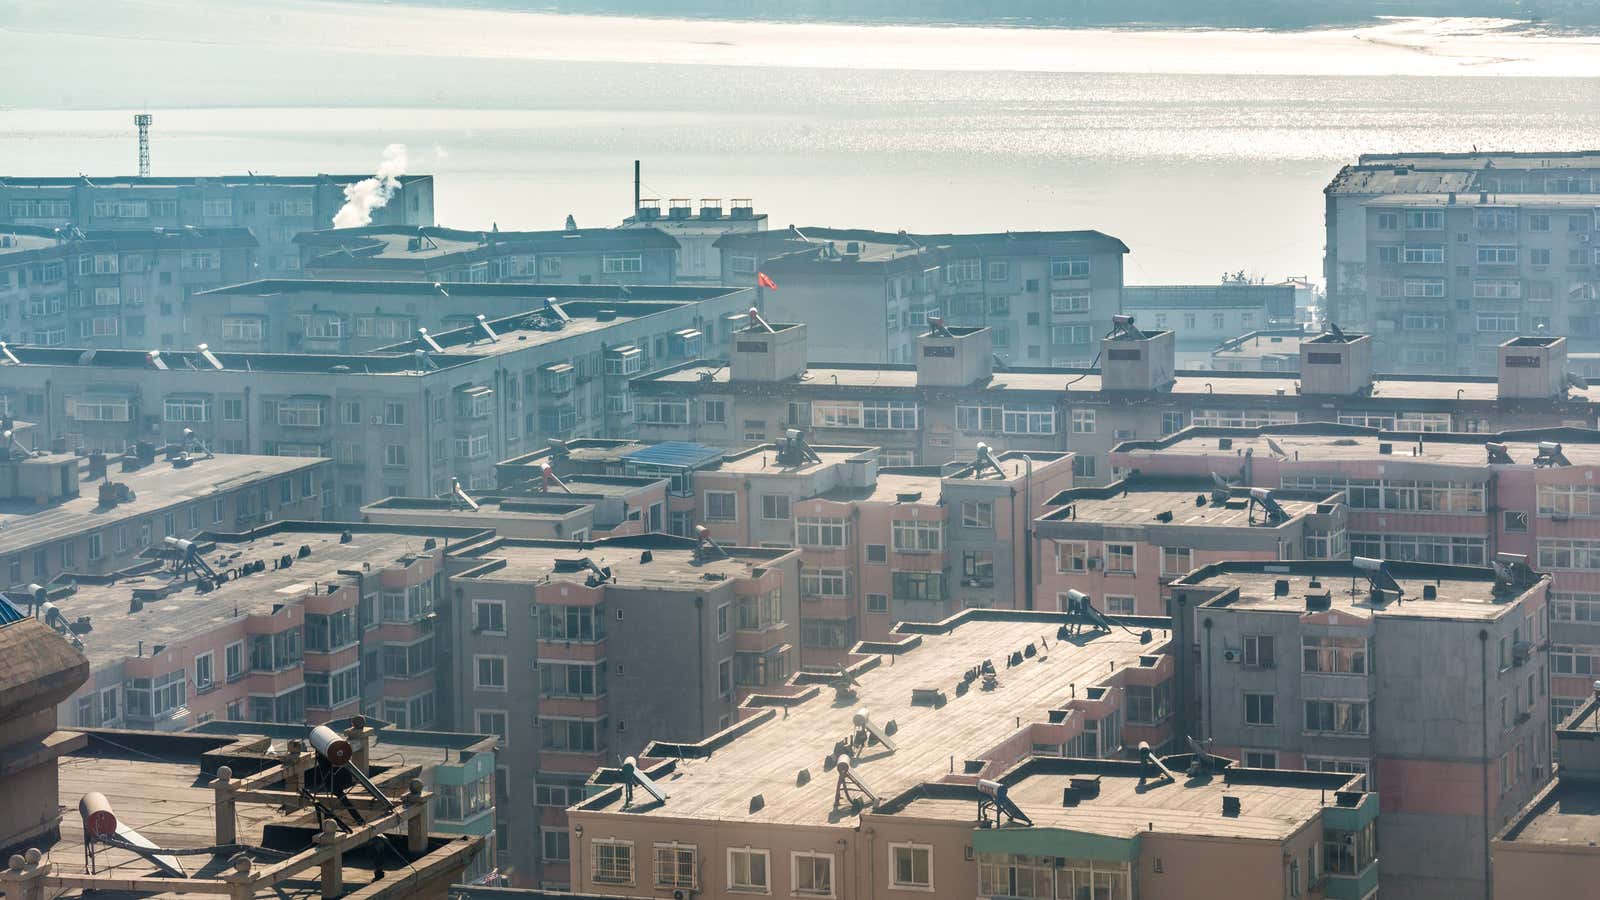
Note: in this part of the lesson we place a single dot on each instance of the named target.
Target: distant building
(1259, 351)
(461, 256)
(1047, 296)
(109, 289)
(1436, 694)
(1205, 315)
(955, 396)
(274, 208)
(699, 261)
(1443, 256)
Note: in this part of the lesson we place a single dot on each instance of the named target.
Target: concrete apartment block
(576, 653)
(402, 421)
(1206, 315)
(699, 260)
(1435, 693)
(65, 516)
(1547, 851)
(597, 256)
(274, 208)
(1124, 542)
(64, 287)
(1435, 498)
(1442, 256)
(1076, 410)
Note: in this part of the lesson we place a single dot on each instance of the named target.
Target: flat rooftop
(1388, 389)
(763, 460)
(1139, 505)
(156, 487)
(534, 292)
(534, 327)
(554, 507)
(1272, 805)
(1352, 446)
(192, 364)
(764, 759)
(1463, 593)
(117, 633)
(1568, 813)
(672, 566)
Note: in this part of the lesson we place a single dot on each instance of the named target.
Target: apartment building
(1431, 679)
(632, 637)
(767, 806)
(274, 208)
(1444, 256)
(64, 516)
(1122, 543)
(955, 397)
(399, 423)
(576, 507)
(324, 316)
(1547, 851)
(393, 252)
(1206, 315)
(113, 288)
(1046, 296)
(699, 260)
(342, 629)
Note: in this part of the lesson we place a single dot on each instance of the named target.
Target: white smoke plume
(368, 194)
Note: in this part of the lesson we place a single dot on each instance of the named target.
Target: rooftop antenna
(707, 545)
(483, 322)
(209, 357)
(1379, 579)
(757, 323)
(867, 731)
(5, 351)
(459, 496)
(632, 778)
(1272, 510)
(851, 789)
(1122, 327)
(548, 476)
(794, 451)
(100, 825)
(1550, 454)
(987, 458)
(937, 328)
(994, 801)
(142, 122)
(426, 338)
(1499, 454)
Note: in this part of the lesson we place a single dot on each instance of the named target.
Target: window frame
(894, 882)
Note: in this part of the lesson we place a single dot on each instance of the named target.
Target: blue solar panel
(685, 454)
(9, 613)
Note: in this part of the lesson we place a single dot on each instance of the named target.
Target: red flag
(763, 281)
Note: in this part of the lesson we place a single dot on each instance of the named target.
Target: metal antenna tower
(143, 121)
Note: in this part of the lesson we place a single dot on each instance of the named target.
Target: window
(493, 721)
(1070, 334)
(998, 270)
(725, 678)
(895, 415)
(722, 506)
(241, 328)
(582, 624)
(1567, 659)
(621, 263)
(572, 735)
(1424, 253)
(960, 270)
(1347, 717)
(1424, 288)
(1176, 560)
(812, 873)
(1069, 267)
(204, 671)
(1062, 302)
(1497, 255)
(1071, 556)
(761, 612)
(612, 861)
(1265, 759)
(489, 616)
(555, 844)
(662, 411)
(1148, 704)
(1027, 419)
(911, 867)
(818, 532)
(1424, 219)
(394, 455)
(912, 536)
(823, 582)
(1260, 651)
(1083, 421)
(775, 506)
(233, 660)
(877, 603)
(977, 568)
(1083, 465)
(918, 585)
(877, 553)
(1497, 322)
(977, 514)
(1334, 655)
(1119, 559)
(714, 412)
(749, 870)
(1260, 709)
(1336, 764)
(491, 673)
(676, 865)
(327, 633)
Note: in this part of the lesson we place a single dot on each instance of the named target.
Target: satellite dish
(1276, 448)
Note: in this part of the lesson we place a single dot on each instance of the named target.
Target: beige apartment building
(1547, 851)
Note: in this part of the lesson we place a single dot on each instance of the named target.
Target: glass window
(748, 870)
(911, 866)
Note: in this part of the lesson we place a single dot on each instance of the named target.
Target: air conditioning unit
(1231, 655)
(1094, 562)
(376, 420)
